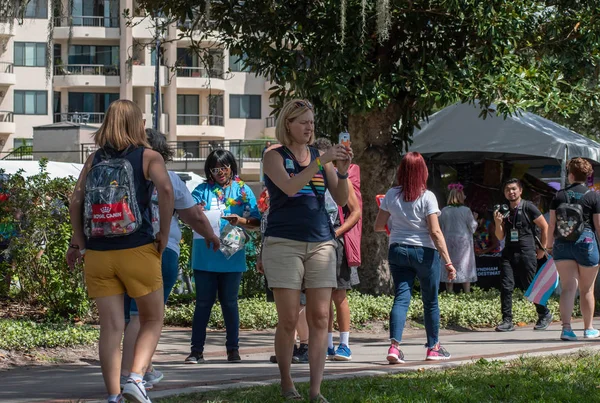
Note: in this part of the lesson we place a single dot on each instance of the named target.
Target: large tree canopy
(378, 67)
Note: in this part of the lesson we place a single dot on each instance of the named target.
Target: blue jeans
(406, 263)
(208, 284)
(584, 251)
(170, 270)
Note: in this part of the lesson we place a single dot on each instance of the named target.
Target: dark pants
(208, 284)
(406, 264)
(520, 267)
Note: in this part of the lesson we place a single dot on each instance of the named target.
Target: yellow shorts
(136, 271)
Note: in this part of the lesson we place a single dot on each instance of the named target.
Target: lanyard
(514, 222)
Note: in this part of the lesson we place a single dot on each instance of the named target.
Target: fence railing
(86, 70)
(6, 67)
(87, 21)
(198, 72)
(80, 117)
(270, 121)
(200, 120)
(20, 153)
(6, 116)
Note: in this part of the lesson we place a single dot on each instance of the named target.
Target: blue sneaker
(568, 335)
(590, 333)
(330, 353)
(343, 353)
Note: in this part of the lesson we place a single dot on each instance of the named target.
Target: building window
(31, 102)
(22, 142)
(244, 106)
(91, 54)
(188, 107)
(91, 102)
(236, 63)
(30, 54)
(36, 9)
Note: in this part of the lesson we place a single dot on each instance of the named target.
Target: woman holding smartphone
(224, 198)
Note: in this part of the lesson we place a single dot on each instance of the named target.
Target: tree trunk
(378, 160)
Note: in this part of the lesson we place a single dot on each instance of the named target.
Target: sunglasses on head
(218, 170)
(303, 104)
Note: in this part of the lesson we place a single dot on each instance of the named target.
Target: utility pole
(157, 109)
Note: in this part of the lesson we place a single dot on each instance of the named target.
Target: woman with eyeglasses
(224, 198)
(299, 250)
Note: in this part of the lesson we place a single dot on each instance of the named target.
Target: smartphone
(345, 139)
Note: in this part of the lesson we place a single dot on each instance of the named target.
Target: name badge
(289, 164)
(514, 235)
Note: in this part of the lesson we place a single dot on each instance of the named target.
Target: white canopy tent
(65, 169)
(458, 133)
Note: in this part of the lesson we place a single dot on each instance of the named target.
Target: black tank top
(143, 191)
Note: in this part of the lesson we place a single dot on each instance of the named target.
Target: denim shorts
(584, 251)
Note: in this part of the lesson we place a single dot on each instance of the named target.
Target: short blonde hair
(123, 126)
(290, 111)
(456, 196)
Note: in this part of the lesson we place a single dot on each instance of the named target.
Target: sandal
(291, 395)
(319, 399)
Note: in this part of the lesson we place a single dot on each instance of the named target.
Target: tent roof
(66, 169)
(459, 129)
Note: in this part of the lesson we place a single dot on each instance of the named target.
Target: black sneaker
(233, 356)
(273, 359)
(301, 355)
(505, 326)
(543, 322)
(195, 357)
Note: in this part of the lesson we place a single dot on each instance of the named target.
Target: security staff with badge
(517, 226)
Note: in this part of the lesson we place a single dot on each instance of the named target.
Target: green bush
(39, 207)
(25, 335)
(474, 310)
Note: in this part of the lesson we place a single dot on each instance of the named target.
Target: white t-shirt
(408, 220)
(183, 200)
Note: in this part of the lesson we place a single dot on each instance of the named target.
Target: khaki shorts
(298, 265)
(136, 271)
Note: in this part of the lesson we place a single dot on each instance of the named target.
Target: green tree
(379, 67)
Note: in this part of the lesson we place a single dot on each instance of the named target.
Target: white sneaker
(135, 391)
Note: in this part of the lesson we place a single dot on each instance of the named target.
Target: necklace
(230, 201)
(296, 159)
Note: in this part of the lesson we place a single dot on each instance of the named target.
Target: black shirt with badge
(576, 193)
(516, 220)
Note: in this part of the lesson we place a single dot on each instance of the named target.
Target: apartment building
(106, 59)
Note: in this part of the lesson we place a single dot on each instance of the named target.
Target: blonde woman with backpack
(574, 229)
(111, 219)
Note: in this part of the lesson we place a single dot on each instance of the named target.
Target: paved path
(83, 381)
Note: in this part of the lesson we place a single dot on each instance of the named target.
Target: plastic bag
(233, 239)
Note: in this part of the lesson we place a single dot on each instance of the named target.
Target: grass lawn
(566, 378)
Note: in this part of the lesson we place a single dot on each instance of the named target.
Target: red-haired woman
(416, 242)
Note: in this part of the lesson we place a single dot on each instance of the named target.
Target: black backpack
(570, 222)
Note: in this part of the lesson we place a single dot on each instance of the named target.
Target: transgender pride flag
(544, 283)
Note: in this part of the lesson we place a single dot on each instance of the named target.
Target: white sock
(112, 398)
(344, 337)
(329, 340)
(136, 377)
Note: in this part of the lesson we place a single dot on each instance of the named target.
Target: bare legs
(573, 276)
(287, 302)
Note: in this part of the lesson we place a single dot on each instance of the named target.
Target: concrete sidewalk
(83, 381)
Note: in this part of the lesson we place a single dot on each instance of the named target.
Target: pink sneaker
(437, 353)
(395, 356)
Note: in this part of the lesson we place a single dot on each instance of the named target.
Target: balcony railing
(20, 154)
(200, 120)
(6, 116)
(6, 67)
(199, 72)
(270, 121)
(83, 118)
(86, 70)
(87, 21)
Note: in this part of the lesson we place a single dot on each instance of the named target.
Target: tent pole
(563, 168)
